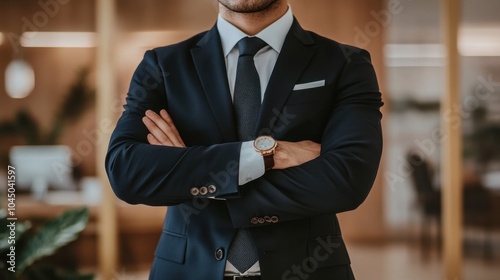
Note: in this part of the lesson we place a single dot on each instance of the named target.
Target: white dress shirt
(251, 162)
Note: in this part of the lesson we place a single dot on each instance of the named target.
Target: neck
(253, 23)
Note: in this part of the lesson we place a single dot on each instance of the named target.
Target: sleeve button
(203, 190)
(219, 254)
(212, 189)
(195, 191)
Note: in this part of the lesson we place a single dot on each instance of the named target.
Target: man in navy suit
(255, 134)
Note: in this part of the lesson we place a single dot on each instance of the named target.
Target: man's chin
(247, 7)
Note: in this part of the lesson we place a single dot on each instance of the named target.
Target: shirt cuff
(251, 164)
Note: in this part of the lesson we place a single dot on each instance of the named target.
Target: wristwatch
(266, 145)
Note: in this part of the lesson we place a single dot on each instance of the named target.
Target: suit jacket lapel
(296, 53)
(211, 68)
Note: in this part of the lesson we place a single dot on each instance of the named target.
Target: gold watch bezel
(269, 151)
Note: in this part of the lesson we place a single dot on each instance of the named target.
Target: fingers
(162, 129)
(153, 141)
(168, 119)
(156, 136)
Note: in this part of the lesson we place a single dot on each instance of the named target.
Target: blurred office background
(54, 108)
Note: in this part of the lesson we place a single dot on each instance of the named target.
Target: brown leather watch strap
(269, 161)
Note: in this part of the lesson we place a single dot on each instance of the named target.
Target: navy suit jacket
(289, 213)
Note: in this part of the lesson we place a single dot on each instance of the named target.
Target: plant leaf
(79, 98)
(53, 235)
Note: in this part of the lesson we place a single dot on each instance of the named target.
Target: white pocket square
(309, 85)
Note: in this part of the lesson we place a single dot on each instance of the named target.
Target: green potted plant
(21, 248)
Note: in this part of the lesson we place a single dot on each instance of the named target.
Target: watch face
(264, 143)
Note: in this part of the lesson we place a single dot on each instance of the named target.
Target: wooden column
(106, 81)
(451, 163)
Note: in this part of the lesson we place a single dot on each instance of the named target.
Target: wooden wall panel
(55, 69)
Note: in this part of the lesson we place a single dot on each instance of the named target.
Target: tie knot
(250, 46)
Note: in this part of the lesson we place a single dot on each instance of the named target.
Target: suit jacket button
(212, 189)
(261, 220)
(203, 190)
(254, 220)
(195, 191)
(274, 219)
(219, 254)
(268, 219)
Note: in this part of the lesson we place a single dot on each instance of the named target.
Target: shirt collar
(274, 35)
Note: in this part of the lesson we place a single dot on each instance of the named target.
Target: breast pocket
(305, 96)
(304, 115)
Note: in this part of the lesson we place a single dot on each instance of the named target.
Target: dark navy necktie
(247, 102)
(247, 95)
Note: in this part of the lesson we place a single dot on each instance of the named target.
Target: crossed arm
(162, 132)
(306, 182)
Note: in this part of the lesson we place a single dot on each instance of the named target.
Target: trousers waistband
(241, 277)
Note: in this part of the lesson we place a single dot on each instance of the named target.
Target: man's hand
(162, 130)
(290, 154)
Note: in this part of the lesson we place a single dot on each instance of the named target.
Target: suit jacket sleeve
(341, 178)
(159, 175)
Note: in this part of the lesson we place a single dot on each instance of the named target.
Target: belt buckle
(241, 277)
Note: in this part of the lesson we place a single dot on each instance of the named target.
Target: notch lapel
(297, 51)
(211, 68)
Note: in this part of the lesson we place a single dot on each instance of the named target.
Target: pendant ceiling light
(19, 79)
